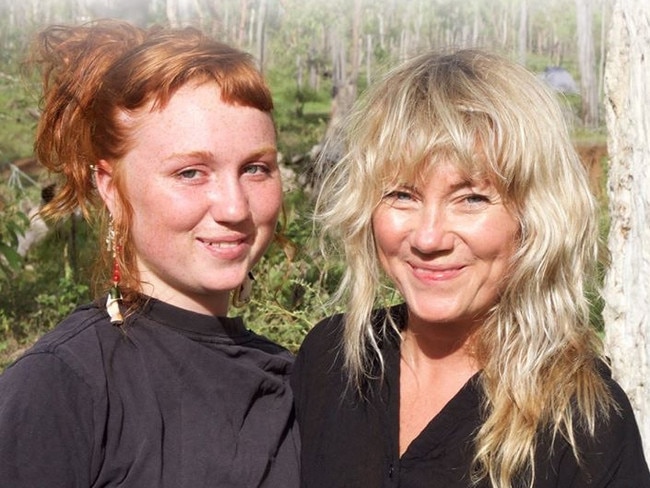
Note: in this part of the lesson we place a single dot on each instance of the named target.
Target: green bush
(52, 280)
(294, 283)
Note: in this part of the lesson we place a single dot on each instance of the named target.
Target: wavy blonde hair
(538, 350)
(94, 72)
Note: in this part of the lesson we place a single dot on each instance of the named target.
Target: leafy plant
(294, 283)
(13, 222)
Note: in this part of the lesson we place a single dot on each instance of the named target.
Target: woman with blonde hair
(166, 137)
(461, 189)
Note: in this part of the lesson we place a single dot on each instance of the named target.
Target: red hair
(94, 72)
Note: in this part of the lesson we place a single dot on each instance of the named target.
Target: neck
(436, 361)
(215, 304)
(439, 340)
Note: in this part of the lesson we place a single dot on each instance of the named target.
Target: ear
(106, 185)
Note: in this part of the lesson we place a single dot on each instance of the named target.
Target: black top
(171, 399)
(351, 443)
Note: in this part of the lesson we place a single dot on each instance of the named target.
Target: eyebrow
(472, 183)
(263, 151)
(462, 184)
(210, 156)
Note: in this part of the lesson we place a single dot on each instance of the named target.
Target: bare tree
(627, 284)
(261, 34)
(344, 79)
(171, 11)
(243, 16)
(523, 32)
(587, 61)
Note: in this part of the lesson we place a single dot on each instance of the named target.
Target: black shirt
(350, 443)
(171, 399)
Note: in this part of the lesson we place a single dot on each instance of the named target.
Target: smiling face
(204, 186)
(447, 245)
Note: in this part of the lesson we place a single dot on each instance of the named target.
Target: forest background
(318, 56)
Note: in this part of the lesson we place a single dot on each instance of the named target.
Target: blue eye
(258, 168)
(476, 198)
(189, 174)
(401, 195)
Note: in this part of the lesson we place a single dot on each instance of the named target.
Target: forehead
(416, 170)
(194, 107)
(197, 121)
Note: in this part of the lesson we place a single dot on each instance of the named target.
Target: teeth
(222, 245)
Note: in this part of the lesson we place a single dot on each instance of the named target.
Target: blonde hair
(538, 351)
(94, 72)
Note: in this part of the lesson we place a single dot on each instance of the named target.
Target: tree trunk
(261, 35)
(344, 82)
(171, 12)
(523, 32)
(243, 17)
(627, 284)
(587, 62)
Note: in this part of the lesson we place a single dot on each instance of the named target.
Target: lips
(436, 273)
(222, 245)
(226, 248)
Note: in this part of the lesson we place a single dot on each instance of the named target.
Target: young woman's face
(447, 245)
(203, 181)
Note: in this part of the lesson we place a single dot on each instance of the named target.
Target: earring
(114, 294)
(242, 294)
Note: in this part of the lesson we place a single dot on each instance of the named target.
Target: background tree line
(348, 41)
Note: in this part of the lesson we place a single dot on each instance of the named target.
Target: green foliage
(17, 119)
(294, 283)
(13, 219)
(301, 114)
(12, 225)
(50, 282)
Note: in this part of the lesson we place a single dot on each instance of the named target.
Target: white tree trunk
(627, 284)
(587, 61)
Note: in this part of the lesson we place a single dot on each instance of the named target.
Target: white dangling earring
(242, 294)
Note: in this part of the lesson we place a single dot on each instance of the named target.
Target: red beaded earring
(114, 294)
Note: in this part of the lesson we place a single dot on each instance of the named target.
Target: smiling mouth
(222, 245)
(225, 248)
(437, 274)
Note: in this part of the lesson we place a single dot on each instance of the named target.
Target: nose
(432, 231)
(228, 201)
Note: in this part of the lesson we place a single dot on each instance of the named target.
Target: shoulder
(266, 345)
(73, 328)
(325, 335)
(618, 427)
(319, 363)
(619, 419)
(51, 400)
(62, 369)
(613, 454)
(320, 354)
(328, 334)
(320, 360)
(74, 346)
(605, 452)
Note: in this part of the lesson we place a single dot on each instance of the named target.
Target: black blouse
(172, 399)
(349, 443)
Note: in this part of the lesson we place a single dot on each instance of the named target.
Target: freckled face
(204, 185)
(447, 245)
